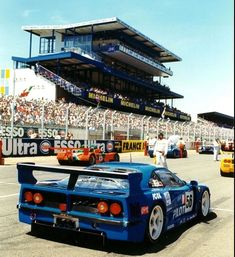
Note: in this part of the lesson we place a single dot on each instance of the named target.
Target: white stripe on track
(8, 183)
(221, 209)
(5, 196)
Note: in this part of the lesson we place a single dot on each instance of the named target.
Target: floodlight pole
(87, 116)
(13, 102)
(148, 124)
(142, 128)
(158, 125)
(128, 125)
(175, 125)
(104, 124)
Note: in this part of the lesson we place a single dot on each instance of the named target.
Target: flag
(26, 92)
(163, 112)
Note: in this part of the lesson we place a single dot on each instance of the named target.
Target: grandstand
(220, 119)
(107, 63)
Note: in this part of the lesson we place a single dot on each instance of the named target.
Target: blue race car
(118, 201)
(206, 149)
(174, 152)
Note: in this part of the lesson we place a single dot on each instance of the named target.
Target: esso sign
(6, 132)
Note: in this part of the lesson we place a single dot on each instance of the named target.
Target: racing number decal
(188, 201)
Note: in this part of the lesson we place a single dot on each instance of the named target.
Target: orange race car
(84, 156)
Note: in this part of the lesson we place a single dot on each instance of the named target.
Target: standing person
(181, 145)
(216, 145)
(160, 150)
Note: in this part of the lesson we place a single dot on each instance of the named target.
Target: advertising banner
(16, 147)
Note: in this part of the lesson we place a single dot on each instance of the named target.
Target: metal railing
(97, 123)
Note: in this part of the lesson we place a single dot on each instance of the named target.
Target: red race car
(84, 156)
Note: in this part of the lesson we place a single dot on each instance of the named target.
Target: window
(163, 177)
(47, 45)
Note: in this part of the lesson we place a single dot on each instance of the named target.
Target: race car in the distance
(227, 161)
(118, 201)
(174, 152)
(206, 149)
(85, 156)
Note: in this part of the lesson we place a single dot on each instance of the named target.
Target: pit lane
(215, 237)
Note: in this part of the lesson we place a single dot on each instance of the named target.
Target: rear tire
(204, 208)
(155, 224)
(92, 160)
(116, 157)
(62, 162)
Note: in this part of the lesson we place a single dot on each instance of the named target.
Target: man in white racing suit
(160, 150)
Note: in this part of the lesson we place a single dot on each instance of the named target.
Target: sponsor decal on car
(167, 198)
(156, 196)
(187, 205)
(144, 210)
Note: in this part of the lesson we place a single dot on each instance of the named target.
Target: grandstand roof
(84, 62)
(218, 118)
(105, 25)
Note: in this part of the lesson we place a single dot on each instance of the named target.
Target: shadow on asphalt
(120, 247)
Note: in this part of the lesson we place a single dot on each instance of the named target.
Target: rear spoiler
(25, 174)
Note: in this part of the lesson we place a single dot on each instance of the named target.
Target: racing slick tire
(204, 207)
(116, 157)
(63, 162)
(222, 173)
(92, 160)
(185, 154)
(155, 224)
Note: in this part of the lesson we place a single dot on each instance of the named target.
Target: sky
(200, 32)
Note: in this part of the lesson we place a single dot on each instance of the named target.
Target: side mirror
(193, 183)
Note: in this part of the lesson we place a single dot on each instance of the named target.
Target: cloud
(26, 13)
(58, 19)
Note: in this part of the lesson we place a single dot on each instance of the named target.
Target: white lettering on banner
(6, 131)
(77, 144)
(15, 146)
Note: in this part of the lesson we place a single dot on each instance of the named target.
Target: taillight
(37, 198)
(28, 196)
(102, 207)
(115, 208)
(63, 206)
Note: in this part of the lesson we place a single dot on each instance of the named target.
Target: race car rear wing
(25, 174)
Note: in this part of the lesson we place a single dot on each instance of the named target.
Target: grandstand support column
(158, 125)
(175, 126)
(104, 121)
(128, 125)
(142, 128)
(112, 128)
(87, 116)
(148, 124)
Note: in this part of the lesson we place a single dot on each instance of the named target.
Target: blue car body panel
(180, 203)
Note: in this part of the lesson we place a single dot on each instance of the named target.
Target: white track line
(8, 183)
(5, 196)
(221, 209)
